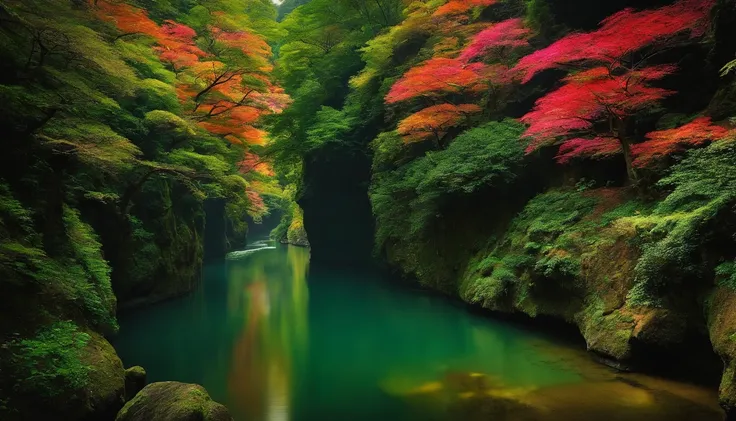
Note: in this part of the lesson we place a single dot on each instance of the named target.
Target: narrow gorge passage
(369, 210)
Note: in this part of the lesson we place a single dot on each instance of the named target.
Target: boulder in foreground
(173, 401)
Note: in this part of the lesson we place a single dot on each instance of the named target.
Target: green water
(274, 339)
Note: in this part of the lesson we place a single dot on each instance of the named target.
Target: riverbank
(575, 256)
(316, 342)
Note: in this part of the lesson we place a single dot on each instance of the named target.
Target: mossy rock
(722, 331)
(105, 392)
(609, 334)
(173, 401)
(660, 328)
(135, 381)
(62, 380)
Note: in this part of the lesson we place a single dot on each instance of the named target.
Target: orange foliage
(456, 7)
(128, 19)
(246, 114)
(227, 100)
(250, 44)
(175, 42)
(253, 162)
(435, 121)
(256, 205)
(665, 142)
(437, 76)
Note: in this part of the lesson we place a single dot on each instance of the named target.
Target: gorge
(385, 209)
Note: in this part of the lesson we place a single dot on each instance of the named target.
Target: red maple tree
(437, 76)
(508, 34)
(599, 105)
(665, 142)
(434, 122)
(227, 95)
(621, 37)
(176, 45)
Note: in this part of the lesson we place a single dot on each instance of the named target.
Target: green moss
(406, 200)
(558, 267)
(543, 251)
(172, 400)
(50, 363)
(94, 288)
(13, 215)
(673, 234)
(726, 275)
(296, 234)
(538, 240)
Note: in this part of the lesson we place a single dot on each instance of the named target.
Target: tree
(509, 34)
(588, 98)
(600, 104)
(456, 7)
(665, 142)
(435, 77)
(222, 70)
(434, 122)
(626, 39)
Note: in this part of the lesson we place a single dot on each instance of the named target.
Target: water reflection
(353, 346)
(272, 299)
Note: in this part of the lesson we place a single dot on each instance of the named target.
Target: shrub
(703, 190)
(406, 199)
(50, 362)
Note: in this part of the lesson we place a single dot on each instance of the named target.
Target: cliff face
(643, 269)
(337, 213)
(579, 256)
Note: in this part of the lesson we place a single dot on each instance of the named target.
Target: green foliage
(728, 68)
(317, 57)
(94, 144)
(387, 151)
(49, 363)
(551, 215)
(703, 190)
(546, 244)
(154, 94)
(146, 258)
(405, 200)
(331, 125)
(539, 16)
(726, 274)
(13, 215)
(94, 288)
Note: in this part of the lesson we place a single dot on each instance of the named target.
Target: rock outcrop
(173, 401)
(135, 381)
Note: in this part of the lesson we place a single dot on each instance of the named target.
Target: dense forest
(547, 158)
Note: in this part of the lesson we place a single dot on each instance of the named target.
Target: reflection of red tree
(248, 376)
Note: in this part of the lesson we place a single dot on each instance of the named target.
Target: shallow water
(274, 339)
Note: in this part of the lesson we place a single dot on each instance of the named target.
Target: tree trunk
(629, 159)
(622, 129)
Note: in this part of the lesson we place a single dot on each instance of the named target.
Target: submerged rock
(173, 401)
(135, 381)
(488, 407)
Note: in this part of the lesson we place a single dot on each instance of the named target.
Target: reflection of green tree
(267, 296)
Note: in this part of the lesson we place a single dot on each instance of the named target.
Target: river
(276, 340)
